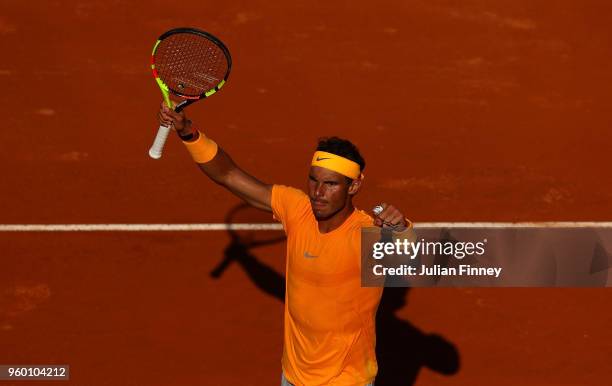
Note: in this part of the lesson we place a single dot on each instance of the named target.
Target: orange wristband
(203, 149)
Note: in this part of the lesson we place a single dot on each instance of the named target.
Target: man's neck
(335, 221)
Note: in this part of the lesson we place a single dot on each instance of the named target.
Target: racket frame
(188, 99)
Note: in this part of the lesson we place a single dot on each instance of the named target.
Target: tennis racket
(190, 64)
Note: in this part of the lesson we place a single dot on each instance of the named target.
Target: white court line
(134, 227)
(273, 226)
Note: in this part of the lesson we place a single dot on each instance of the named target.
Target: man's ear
(355, 186)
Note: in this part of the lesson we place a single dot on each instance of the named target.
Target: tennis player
(329, 322)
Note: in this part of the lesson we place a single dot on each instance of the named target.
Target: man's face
(328, 192)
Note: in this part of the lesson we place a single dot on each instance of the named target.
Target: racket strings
(190, 64)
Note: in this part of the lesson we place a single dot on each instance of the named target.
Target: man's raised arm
(216, 163)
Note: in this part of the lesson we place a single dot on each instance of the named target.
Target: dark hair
(343, 148)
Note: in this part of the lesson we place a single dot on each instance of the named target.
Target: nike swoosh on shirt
(308, 255)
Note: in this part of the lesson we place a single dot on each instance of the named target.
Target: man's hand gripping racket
(191, 65)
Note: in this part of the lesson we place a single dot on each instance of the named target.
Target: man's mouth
(318, 204)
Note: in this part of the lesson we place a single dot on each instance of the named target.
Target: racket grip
(160, 140)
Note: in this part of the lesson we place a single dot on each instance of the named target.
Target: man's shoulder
(289, 204)
(363, 219)
(289, 193)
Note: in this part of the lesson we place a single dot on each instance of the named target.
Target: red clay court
(475, 112)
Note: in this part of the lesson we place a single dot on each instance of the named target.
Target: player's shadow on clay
(401, 348)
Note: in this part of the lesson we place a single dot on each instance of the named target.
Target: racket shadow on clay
(239, 251)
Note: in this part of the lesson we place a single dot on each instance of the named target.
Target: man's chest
(316, 254)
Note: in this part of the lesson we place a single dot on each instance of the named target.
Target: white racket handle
(160, 140)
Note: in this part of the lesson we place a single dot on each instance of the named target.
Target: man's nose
(319, 190)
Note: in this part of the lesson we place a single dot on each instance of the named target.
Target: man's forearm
(219, 168)
(224, 171)
(217, 164)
